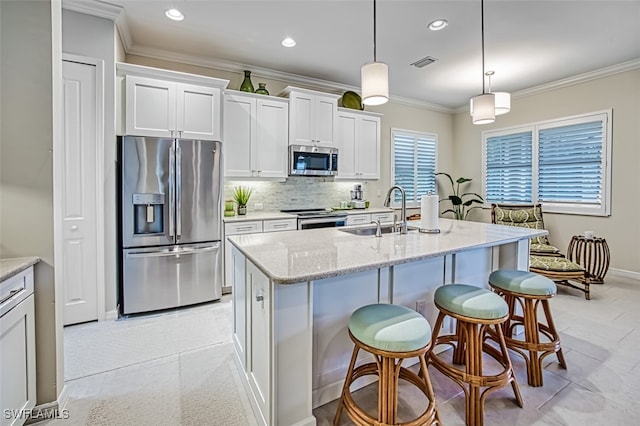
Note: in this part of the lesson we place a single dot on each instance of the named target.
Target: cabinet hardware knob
(259, 298)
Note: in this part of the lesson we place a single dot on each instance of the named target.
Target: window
(563, 164)
(413, 164)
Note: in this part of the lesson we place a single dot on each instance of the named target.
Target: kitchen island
(293, 293)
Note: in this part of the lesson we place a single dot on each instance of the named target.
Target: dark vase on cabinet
(262, 89)
(246, 85)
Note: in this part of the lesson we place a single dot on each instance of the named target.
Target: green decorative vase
(246, 85)
(262, 89)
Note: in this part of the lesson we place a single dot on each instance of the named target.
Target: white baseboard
(625, 274)
(51, 410)
(111, 315)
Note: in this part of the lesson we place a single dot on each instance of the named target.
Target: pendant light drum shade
(375, 83)
(484, 108)
(503, 102)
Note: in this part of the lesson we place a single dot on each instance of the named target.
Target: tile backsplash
(296, 193)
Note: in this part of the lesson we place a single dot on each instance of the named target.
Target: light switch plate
(258, 206)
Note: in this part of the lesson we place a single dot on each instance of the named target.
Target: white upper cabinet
(358, 142)
(163, 103)
(312, 116)
(255, 136)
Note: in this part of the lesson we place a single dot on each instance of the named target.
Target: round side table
(592, 254)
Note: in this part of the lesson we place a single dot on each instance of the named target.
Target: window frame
(415, 134)
(604, 208)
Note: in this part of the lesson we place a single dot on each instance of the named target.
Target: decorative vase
(242, 210)
(246, 85)
(262, 89)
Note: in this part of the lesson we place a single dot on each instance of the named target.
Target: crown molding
(570, 81)
(289, 78)
(98, 8)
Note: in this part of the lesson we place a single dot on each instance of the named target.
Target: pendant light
(375, 76)
(483, 106)
(503, 99)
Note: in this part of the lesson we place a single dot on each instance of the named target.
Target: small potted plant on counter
(459, 206)
(241, 195)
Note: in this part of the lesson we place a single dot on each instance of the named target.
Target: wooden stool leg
(460, 349)
(552, 330)
(474, 409)
(347, 383)
(427, 381)
(532, 336)
(507, 360)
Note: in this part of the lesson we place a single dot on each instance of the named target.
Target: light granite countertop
(12, 266)
(266, 215)
(296, 256)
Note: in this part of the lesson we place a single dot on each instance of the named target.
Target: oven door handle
(322, 220)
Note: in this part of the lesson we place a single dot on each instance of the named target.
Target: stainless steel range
(318, 218)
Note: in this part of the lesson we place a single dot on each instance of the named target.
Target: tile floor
(171, 369)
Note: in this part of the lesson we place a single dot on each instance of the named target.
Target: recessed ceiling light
(438, 24)
(288, 42)
(174, 14)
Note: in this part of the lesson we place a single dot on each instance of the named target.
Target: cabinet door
(260, 329)
(270, 147)
(239, 129)
(239, 295)
(382, 217)
(346, 143)
(198, 115)
(367, 157)
(150, 107)
(358, 219)
(325, 116)
(18, 361)
(301, 119)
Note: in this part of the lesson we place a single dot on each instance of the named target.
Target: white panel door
(325, 115)
(346, 143)
(198, 116)
(368, 148)
(270, 147)
(150, 107)
(78, 217)
(301, 119)
(239, 129)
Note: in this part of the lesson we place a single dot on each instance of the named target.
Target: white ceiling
(527, 43)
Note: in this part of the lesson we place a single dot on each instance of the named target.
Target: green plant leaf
(455, 200)
(463, 180)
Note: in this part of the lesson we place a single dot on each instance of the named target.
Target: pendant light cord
(482, 30)
(374, 31)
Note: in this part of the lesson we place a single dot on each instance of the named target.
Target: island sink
(371, 230)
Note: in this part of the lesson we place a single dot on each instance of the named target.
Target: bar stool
(529, 290)
(390, 333)
(476, 310)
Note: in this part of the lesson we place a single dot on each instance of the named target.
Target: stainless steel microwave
(307, 160)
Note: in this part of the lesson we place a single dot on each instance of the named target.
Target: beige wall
(621, 92)
(26, 167)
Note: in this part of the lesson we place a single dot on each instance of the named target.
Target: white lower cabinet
(259, 360)
(18, 353)
(241, 317)
(250, 227)
(366, 218)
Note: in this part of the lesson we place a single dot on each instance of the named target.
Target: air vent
(421, 63)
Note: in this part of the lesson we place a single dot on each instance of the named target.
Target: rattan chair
(544, 259)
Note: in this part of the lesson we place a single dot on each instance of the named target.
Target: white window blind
(413, 164)
(563, 164)
(570, 163)
(509, 168)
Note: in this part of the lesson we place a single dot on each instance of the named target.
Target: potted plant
(459, 206)
(241, 195)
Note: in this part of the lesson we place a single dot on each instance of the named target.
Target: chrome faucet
(378, 228)
(403, 218)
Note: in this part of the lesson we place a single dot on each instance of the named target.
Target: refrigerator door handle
(172, 191)
(178, 191)
(169, 253)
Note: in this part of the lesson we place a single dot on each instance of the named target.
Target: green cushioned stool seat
(522, 282)
(471, 301)
(392, 328)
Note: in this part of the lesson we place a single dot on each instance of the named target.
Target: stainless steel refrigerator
(170, 222)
